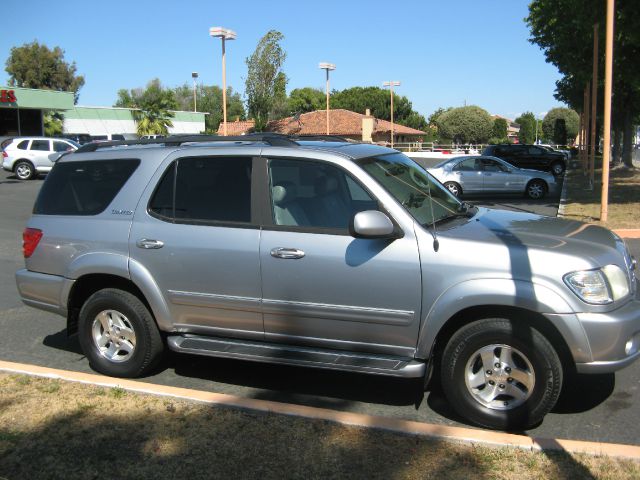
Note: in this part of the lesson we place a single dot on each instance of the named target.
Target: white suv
(29, 156)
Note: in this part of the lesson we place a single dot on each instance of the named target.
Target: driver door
(322, 287)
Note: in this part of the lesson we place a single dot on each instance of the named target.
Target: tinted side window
(205, 189)
(468, 165)
(117, 136)
(41, 145)
(536, 151)
(317, 195)
(23, 145)
(60, 146)
(83, 188)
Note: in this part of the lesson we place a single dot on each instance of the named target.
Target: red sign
(8, 96)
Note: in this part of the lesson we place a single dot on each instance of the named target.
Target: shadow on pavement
(304, 386)
(62, 341)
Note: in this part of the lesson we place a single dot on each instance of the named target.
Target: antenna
(436, 243)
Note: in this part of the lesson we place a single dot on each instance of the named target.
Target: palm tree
(151, 108)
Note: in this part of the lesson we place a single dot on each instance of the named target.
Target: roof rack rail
(322, 138)
(274, 139)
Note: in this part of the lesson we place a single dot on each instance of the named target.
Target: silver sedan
(484, 174)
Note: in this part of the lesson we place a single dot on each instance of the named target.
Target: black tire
(24, 170)
(529, 351)
(557, 168)
(454, 188)
(536, 189)
(147, 345)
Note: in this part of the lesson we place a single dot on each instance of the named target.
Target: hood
(516, 230)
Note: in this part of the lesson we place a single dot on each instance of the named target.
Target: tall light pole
(224, 34)
(327, 66)
(391, 84)
(194, 75)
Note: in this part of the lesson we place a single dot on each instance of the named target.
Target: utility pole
(327, 66)
(391, 84)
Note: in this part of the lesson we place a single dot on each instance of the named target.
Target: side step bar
(298, 356)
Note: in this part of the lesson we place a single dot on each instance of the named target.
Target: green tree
(209, 100)
(432, 120)
(53, 123)
(264, 66)
(499, 129)
(567, 42)
(469, 124)
(280, 107)
(152, 107)
(527, 122)
(36, 66)
(303, 100)
(561, 125)
(358, 99)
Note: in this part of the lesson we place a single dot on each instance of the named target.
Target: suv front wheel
(118, 334)
(501, 374)
(24, 170)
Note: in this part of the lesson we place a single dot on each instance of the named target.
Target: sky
(445, 54)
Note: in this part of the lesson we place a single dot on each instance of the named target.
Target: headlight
(599, 287)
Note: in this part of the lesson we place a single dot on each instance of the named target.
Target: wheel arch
(516, 314)
(87, 285)
(516, 300)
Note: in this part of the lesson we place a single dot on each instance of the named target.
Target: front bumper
(43, 291)
(614, 338)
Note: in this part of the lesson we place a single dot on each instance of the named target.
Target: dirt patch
(583, 202)
(56, 429)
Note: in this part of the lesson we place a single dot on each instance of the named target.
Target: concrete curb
(438, 432)
(628, 232)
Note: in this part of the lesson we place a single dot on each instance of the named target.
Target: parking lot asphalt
(601, 408)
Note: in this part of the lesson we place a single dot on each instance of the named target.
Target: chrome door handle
(287, 253)
(149, 243)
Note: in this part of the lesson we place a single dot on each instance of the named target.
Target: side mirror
(372, 224)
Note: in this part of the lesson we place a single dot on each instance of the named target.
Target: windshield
(412, 187)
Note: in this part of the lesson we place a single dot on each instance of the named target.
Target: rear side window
(205, 190)
(83, 188)
(23, 145)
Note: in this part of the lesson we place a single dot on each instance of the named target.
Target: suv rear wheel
(118, 334)
(501, 374)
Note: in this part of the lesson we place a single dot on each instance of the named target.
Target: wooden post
(594, 106)
(608, 76)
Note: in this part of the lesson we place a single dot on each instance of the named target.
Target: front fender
(504, 293)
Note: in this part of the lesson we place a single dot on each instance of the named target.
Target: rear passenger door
(39, 153)
(198, 238)
(322, 287)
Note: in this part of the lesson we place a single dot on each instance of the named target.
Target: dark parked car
(529, 156)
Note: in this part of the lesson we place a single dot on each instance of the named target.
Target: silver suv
(29, 156)
(324, 254)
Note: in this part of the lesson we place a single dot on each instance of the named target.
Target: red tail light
(30, 239)
(4, 154)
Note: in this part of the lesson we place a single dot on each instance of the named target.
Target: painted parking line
(439, 432)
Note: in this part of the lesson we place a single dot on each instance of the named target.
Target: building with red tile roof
(344, 123)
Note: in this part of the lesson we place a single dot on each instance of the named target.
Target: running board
(298, 356)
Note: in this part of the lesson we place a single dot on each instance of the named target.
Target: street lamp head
(222, 32)
(327, 66)
(393, 83)
(194, 74)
